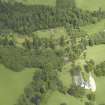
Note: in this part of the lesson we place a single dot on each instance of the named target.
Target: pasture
(91, 29)
(90, 5)
(54, 33)
(35, 2)
(100, 93)
(97, 53)
(12, 84)
(56, 98)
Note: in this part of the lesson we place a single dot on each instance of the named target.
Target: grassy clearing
(91, 29)
(56, 98)
(90, 4)
(65, 76)
(56, 33)
(100, 93)
(36, 2)
(12, 84)
(97, 53)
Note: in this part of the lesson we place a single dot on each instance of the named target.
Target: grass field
(56, 33)
(35, 2)
(91, 29)
(90, 4)
(65, 76)
(100, 93)
(97, 53)
(56, 98)
(12, 84)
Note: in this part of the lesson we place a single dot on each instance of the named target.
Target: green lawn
(36, 2)
(12, 84)
(90, 4)
(91, 29)
(97, 53)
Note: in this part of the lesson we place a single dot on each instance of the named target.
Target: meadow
(12, 84)
(54, 33)
(57, 98)
(35, 2)
(90, 5)
(97, 53)
(91, 29)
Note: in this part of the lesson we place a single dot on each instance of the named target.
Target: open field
(65, 76)
(97, 53)
(91, 29)
(56, 98)
(55, 33)
(90, 4)
(12, 84)
(35, 2)
(100, 93)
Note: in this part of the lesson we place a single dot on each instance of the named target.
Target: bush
(91, 97)
(100, 69)
(63, 103)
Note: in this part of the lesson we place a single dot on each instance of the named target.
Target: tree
(27, 43)
(76, 91)
(62, 41)
(63, 103)
(91, 97)
(89, 103)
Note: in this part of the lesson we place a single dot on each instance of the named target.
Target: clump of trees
(91, 96)
(44, 80)
(17, 58)
(100, 69)
(7, 41)
(41, 43)
(97, 39)
(89, 103)
(90, 66)
(76, 91)
(26, 19)
(63, 103)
